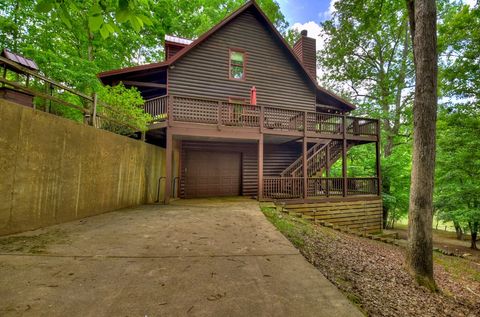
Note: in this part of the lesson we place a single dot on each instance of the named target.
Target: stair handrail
(309, 158)
(298, 160)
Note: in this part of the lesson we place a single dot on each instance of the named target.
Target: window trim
(245, 58)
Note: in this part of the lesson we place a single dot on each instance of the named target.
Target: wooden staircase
(317, 158)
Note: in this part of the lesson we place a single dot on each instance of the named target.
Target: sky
(307, 15)
(302, 11)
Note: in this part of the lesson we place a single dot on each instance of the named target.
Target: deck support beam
(344, 156)
(168, 166)
(378, 157)
(327, 169)
(305, 176)
(260, 167)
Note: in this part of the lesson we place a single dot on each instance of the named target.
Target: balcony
(265, 119)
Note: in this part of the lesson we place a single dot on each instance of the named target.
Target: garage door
(209, 173)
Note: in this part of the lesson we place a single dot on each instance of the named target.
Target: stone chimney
(305, 49)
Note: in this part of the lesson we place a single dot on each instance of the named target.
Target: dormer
(174, 44)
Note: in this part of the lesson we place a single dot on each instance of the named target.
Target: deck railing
(317, 187)
(211, 111)
(283, 187)
(157, 107)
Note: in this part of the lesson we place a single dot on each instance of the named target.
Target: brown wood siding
(270, 68)
(279, 157)
(276, 158)
(172, 50)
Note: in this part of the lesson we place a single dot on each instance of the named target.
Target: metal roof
(26, 62)
(178, 40)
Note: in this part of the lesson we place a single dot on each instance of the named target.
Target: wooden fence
(93, 110)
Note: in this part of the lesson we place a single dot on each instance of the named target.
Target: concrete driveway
(195, 257)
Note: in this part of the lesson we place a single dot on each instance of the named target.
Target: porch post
(305, 176)
(378, 157)
(344, 156)
(168, 166)
(327, 169)
(260, 167)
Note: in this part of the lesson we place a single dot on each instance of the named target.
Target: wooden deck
(203, 113)
(209, 118)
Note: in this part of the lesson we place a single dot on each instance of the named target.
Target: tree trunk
(458, 230)
(473, 234)
(422, 15)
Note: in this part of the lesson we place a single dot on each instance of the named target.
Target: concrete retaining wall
(54, 170)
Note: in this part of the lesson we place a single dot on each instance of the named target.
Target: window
(237, 65)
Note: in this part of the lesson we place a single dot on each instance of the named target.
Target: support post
(260, 167)
(378, 156)
(305, 171)
(168, 166)
(327, 169)
(344, 156)
(94, 110)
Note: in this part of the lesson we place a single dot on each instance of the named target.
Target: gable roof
(320, 91)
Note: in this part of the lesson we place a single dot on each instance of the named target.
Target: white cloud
(471, 3)
(331, 9)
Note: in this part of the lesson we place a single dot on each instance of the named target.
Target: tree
(369, 60)
(423, 17)
(457, 175)
(458, 169)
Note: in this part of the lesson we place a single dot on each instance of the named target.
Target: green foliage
(370, 61)
(457, 195)
(126, 106)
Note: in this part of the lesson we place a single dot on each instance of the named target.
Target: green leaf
(109, 27)
(95, 22)
(135, 24)
(145, 19)
(45, 6)
(122, 16)
(65, 17)
(104, 31)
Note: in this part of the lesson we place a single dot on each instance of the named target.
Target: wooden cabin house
(240, 113)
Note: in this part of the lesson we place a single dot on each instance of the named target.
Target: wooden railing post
(94, 110)
(304, 123)
(170, 110)
(344, 156)
(219, 118)
(261, 119)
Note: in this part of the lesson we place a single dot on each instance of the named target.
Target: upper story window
(237, 64)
